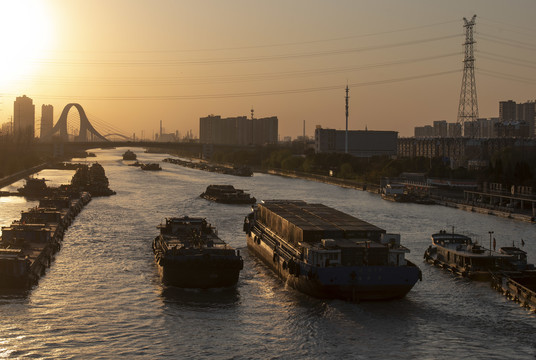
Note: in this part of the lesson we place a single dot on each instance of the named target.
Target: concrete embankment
(327, 180)
(483, 210)
(10, 179)
(373, 188)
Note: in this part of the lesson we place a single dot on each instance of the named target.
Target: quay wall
(373, 188)
(10, 179)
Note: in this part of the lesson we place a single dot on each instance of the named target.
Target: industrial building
(361, 143)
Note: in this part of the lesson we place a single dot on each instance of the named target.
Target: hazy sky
(132, 63)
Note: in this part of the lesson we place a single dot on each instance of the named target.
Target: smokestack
(160, 128)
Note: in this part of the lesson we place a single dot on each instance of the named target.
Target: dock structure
(504, 201)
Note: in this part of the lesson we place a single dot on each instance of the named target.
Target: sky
(134, 63)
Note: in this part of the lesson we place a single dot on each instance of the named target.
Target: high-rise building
(440, 128)
(507, 111)
(47, 120)
(238, 130)
(23, 118)
(527, 112)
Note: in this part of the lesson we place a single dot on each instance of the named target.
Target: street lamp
(490, 233)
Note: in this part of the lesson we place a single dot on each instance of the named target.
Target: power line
(526, 31)
(246, 59)
(285, 44)
(504, 76)
(508, 42)
(250, 94)
(251, 77)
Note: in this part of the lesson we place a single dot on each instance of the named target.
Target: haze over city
(134, 63)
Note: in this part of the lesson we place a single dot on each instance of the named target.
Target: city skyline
(132, 64)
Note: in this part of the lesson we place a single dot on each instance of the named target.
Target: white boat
(460, 255)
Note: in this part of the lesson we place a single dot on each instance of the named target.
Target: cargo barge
(221, 169)
(189, 254)
(28, 245)
(227, 194)
(326, 253)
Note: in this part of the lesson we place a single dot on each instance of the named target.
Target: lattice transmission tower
(468, 106)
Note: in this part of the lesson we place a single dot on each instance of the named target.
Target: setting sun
(25, 33)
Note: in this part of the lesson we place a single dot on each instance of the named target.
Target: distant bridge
(118, 135)
(87, 132)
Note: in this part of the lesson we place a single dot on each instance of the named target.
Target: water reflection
(200, 298)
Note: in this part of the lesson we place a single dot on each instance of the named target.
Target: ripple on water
(102, 297)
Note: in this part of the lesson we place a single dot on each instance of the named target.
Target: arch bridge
(87, 131)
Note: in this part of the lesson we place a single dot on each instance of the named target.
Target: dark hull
(358, 282)
(193, 272)
(241, 201)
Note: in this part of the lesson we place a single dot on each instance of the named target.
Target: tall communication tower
(468, 106)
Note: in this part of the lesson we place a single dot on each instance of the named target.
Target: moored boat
(394, 192)
(28, 245)
(227, 194)
(326, 253)
(460, 255)
(189, 254)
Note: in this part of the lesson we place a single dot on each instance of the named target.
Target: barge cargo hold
(326, 253)
(189, 254)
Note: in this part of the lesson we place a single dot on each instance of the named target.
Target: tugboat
(326, 253)
(129, 155)
(227, 194)
(189, 254)
(461, 256)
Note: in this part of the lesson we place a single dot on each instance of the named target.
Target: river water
(102, 297)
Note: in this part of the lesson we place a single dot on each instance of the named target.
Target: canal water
(102, 297)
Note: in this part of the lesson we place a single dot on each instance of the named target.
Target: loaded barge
(28, 245)
(227, 194)
(326, 253)
(189, 254)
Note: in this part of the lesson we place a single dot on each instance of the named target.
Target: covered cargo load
(297, 221)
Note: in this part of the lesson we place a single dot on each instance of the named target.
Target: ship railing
(283, 246)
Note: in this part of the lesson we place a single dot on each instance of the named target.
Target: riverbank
(437, 199)
(10, 179)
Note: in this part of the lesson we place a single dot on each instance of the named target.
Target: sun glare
(25, 33)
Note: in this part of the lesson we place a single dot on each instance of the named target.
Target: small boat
(151, 167)
(129, 155)
(189, 254)
(227, 194)
(394, 192)
(460, 255)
